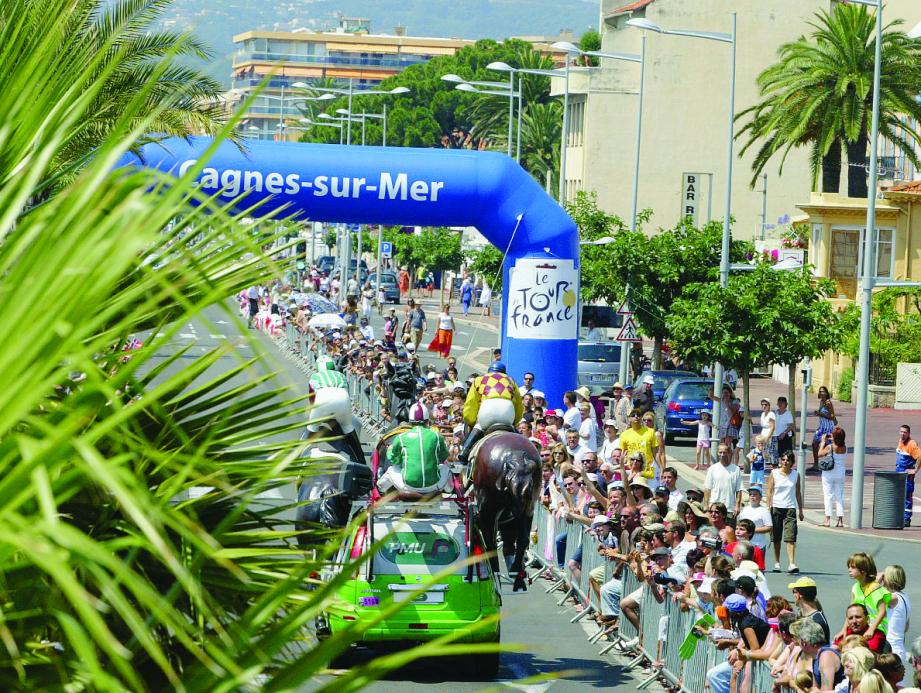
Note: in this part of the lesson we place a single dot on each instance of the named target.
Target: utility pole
(763, 204)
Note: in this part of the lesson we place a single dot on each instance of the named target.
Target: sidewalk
(882, 437)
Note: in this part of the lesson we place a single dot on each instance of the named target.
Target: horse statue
(507, 482)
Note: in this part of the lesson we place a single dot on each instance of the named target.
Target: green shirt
(874, 595)
(418, 451)
(324, 379)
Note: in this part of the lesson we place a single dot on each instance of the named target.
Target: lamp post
(729, 38)
(307, 121)
(867, 282)
(500, 66)
(510, 95)
(624, 368)
(363, 116)
(349, 92)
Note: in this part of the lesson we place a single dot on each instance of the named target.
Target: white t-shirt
(588, 434)
(445, 322)
(680, 556)
(766, 418)
(596, 334)
(781, 421)
(761, 517)
(607, 448)
(724, 482)
(674, 498)
(577, 455)
(784, 489)
(572, 418)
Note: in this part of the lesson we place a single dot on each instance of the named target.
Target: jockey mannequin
(329, 397)
(493, 399)
(417, 458)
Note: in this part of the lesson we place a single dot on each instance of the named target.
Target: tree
(117, 572)
(895, 329)
(330, 240)
(819, 95)
(487, 263)
(763, 316)
(650, 271)
(590, 41)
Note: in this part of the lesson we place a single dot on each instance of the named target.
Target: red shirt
(759, 553)
(874, 644)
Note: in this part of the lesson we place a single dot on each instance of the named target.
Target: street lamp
(500, 66)
(633, 58)
(867, 282)
(729, 38)
(350, 92)
(307, 121)
(510, 95)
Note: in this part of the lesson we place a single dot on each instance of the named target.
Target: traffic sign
(628, 332)
(623, 309)
(386, 249)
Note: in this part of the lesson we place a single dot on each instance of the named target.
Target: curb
(687, 472)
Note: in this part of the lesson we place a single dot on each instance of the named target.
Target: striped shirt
(324, 379)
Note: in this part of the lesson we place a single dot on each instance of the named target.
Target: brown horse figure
(506, 481)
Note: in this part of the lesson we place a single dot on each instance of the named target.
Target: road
(551, 644)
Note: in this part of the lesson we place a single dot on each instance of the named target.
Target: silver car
(599, 365)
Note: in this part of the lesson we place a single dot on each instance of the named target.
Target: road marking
(188, 335)
(218, 336)
(222, 322)
(463, 334)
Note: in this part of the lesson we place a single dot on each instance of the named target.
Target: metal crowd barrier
(663, 626)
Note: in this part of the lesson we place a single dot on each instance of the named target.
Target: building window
(844, 254)
(885, 245)
(576, 124)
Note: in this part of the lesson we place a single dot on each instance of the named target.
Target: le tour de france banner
(543, 299)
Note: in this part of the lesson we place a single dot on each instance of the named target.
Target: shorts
(597, 574)
(703, 444)
(756, 478)
(253, 306)
(729, 432)
(785, 525)
(637, 596)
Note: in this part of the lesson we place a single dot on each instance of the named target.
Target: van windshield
(599, 353)
(419, 546)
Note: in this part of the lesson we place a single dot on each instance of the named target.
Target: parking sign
(386, 249)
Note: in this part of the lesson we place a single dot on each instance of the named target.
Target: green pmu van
(423, 539)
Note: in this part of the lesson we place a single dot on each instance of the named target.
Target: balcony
(396, 63)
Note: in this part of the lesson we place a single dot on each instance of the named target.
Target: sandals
(840, 523)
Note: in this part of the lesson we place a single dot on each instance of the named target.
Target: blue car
(662, 379)
(683, 400)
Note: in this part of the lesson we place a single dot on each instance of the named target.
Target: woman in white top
(785, 499)
(833, 479)
(768, 431)
(367, 296)
(445, 334)
(898, 611)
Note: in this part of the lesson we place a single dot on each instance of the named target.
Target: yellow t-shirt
(644, 441)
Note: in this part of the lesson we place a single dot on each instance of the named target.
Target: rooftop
(632, 7)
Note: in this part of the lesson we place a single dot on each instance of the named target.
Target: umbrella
(318, 304)
(326, 321)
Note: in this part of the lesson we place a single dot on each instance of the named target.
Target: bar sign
(690, 196)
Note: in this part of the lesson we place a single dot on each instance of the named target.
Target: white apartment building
(685, 112)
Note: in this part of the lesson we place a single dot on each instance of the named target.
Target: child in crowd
(867, 591)
(898, 610)
(756, 457)
(704, 428)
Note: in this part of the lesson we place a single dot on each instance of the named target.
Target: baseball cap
(629, 386)
(618, 386)
(705, 586)
(662, 490)
(602, 520)
(756, 489)
(550, 412)
(661, 551)
(802, 582)
(410, 347)
(736, 603)
(649, 380)
(537, 393)
(746, 582)
(610, 422)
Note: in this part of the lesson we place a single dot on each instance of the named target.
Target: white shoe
(630, 644)
(777, 567)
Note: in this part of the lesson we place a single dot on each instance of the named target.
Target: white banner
(543, 297)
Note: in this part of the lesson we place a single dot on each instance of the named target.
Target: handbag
(827, 463)
(735, 420)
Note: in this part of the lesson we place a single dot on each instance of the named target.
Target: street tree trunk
(831, 168)
(856, 168)
(657, 353)
(791, 395)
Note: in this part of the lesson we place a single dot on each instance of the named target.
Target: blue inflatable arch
(426, 187)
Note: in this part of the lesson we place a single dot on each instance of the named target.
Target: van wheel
(669, 438)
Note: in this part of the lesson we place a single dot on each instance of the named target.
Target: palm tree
(541, 129)
(113, 575)
(819, 95)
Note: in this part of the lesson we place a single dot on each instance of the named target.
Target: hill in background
(216, 21)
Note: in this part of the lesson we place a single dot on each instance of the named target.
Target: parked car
(389, 283)
(683, 400)
(363, 275)
(662, 380)
(599, 365)
(325, 264)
